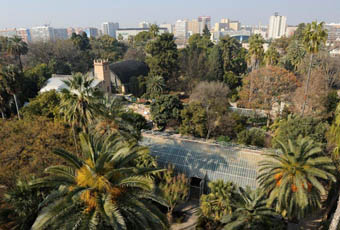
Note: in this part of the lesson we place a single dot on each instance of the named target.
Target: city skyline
(130, 12)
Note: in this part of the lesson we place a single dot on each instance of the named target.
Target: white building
(277, 26)
(181, 29)
(110, 28)
(42, 33)
(144, 25)
(60, 34)
(170, 27)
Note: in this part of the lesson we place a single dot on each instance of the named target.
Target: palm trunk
(307, 84)
(2, 114)
(336, 217)
(16, 105)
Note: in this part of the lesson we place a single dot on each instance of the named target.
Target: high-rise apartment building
(204, 21)
(277, 26)
(181, 29)
(60, 34)
(42, 33)
(234, 25)
(91, 32)
(333, 31)
(110, 28)
(23, 33)
(290, 31)
(169, 27)
(193, 27)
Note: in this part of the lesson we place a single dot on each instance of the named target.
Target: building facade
(277, 26)
(181, 29)
(125, 33)
(60, 34)
(204, 21)
(333, 32)
(169, 27)
(23, 33)
(91, 32)
(110, 28)
(42, 33)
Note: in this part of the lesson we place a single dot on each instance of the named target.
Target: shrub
(253, 136)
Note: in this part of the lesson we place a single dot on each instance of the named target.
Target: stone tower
(102, 72)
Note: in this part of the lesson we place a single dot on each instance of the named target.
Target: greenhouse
(204, 161)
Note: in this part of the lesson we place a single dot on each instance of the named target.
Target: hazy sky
(64, 13)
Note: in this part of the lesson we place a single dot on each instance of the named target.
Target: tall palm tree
(252, 213)
(255, 56)
(293, 177)
(17, 47)
(80, 101)
(271, 56)
(102, 189)
(314, 36)
(10, 79)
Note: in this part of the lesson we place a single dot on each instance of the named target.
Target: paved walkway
(190, 209)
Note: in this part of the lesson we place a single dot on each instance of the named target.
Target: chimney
(102, 72)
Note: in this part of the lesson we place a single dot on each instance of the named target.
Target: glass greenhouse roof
(197, 158)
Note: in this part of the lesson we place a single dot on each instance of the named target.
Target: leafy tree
(80, 101)
(206, 32)
(26, 146)
(19, 206)
(252, 213)
(154, 29)
(271, 56)
(4, 99)
(295, 126)
(45, 104)
(164, 109)
(281, 44)
(162, 56)
(213, 96)
(17, 47)
(175, 189)
(295, 55)
(39, 74)
(253, 136)
(313, 38)
(216, 71)
(81, 41)
(102, 189)
(142, 38)
(194, 120)
(137, 86)
(154, 86)
(220, 201)
(107, 47)
(293, 177)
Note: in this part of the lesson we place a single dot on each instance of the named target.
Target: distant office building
(91, 32)
(241, 36)
(42, 33)
(60, 34)
(181, 29)
(277, 26)
(170, 27)
(144, 25)
(193, 27)
(333, 30)
(23, 33)
(110, 28)
(204, 21)
(290, 31)
(234, 25)
(128, 32)
(79, 30)
(222, 26)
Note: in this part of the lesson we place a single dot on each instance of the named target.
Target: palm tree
(255, 56)
(272, 56)
(155, 86)
(154, 29)
(252, 213)
(314, 37)
(294, 177)
(103, 189)
(80, 101)
(10, 79)
(17, 47)
(4, 98)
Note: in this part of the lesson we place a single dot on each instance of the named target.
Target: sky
(82, 13)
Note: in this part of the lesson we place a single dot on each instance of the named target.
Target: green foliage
(19, 206)
(137, 86)
(137, 120)
(295, 126)
(39, 74)
(219, 201)
(164, 109)
(293, 177)
(81, 41)
(253, 214)
(155, 86)
(253, 136)
(215, 61)
(162, 56)
(194, 120)
(107, 47)
(256, 51)
(102, 189)
(174, 187)
(45, 104)
(271, 56)
(26, 146)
